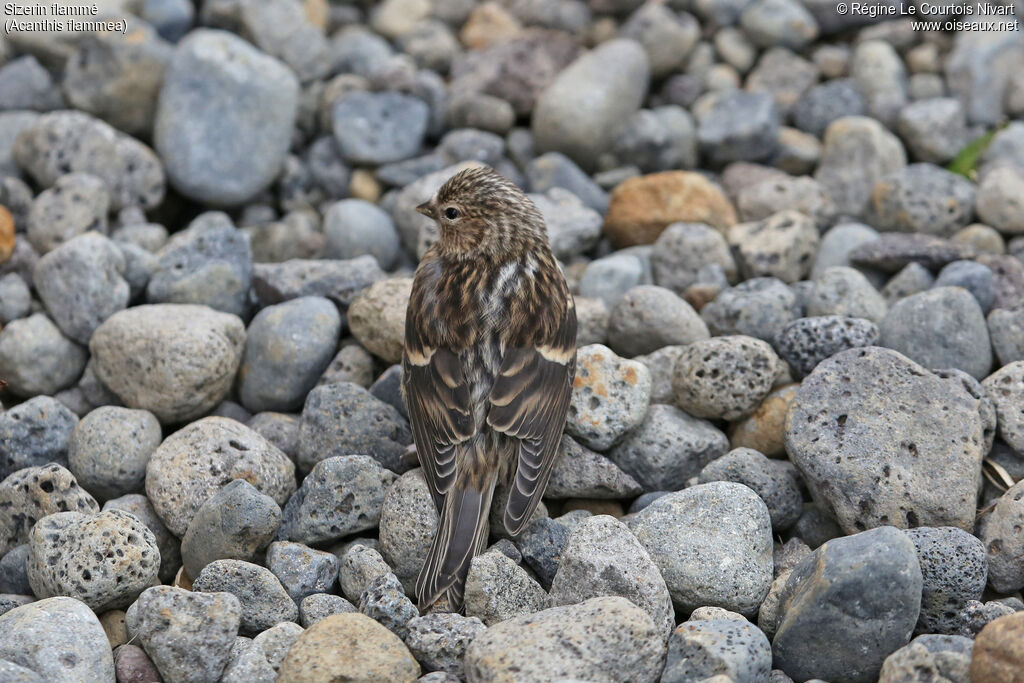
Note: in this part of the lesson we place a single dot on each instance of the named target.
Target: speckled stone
(385, 601)
(922, 198)
(263, 600)
(110, 448)
(277, 640)
(782, 246)
(167, 543)
(319, 606)
(28, 495)
(806, 342)
(360, 564)
(579, 472)
(1006, 389)
(610, 397)
(301, 570)
(439, 640)
(724, 377)
(769, 479)
(36, 357)
(648, 317)
(408, 520)
(498, 589)
(714, 647)
(954, 571)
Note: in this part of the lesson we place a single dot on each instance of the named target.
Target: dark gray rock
(735, 125)
(845, 291)
(34, 433)
(263, 600)
(579, 472)
(758, 307)
(542, 541)
(976, 278)
(929, 656)
(1003, 542)
(280, 429)
(836, 245)
(338, 280)
(825, 103)
(976, 615)
(25, 84)
(14, 571)
(954, 571)
(892, 251)
(554, 169)
(913, 278)
(573, 227)
(301, 570)
(767, 478)
(660, 139)
(35, 356)
(236, 523)
(439, 640)
(806, 342)
(847, 606)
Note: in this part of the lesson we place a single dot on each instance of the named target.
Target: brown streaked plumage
(490, 355)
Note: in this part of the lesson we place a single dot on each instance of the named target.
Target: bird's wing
(437, 398)
(529, 400)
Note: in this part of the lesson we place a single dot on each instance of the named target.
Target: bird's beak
(427, 209)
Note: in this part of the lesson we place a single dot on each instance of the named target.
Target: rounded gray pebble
(354, 227)
(648, 317)
(110, 448)
(301, 570)
(758, 308)
(319, 606)
(439, 640)
(767, 478)
(35, 356)
(724, 377)
(263, 600)
(805, 342)
(709, 648)
(377, 128)
(954, 571)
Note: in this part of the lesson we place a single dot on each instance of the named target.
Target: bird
(488, 367)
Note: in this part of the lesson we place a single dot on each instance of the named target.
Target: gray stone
(610, 277)
(166, 542)
(603, 558)
(276, 641)
(14, 572)
(235, 523)
(177, 361)
(781, 246)
(582, 110)
(221, 94)
(579, 472)
(12, 673)
(188, 635)
(35, 356)
(139, 265)
(1004, 150)
(974, 277)
(377, 128)
(683, 249)
(247, 664)
(80, 284)
(610, 397)
(761, 200)
(408, 521)
(76, 204)
(929, 656)
(668, 448)
(724, 377)
(660, 139)
(877, 401)
(999, 200)
(726, 530)
(192, 464)
(60, 639)
(734, 125)
(105, 559)
(648, 318)
(498, 589)
(837, 244)
(354, 227)
(1006, 329)
(940, 328)
(370, 426)
(109, 450)
(954, 571)
(25, 84)
(280, 429)
(857, 152)
(301, 570)
(881, 78)
(13, 122)
(554, 169)
(774, 484)
(338, 280)
(353, 364)
(847, 606)
(758, 308)
(35, 433)
(714, 648)
(806, 342)
(845, 291)
(263, 600)
(591, 321)
(15, 298)
(825, 103)
(922, 198)
(978, 71)
(779, 22)
(384, 600)
(541, 543)
(319, 606)
(891, 252)
(976, 615)
(572, 227)
(65, 142)
(784, 75)
(666, 36)
(377, 317)
(934, 129)
(287, 348)
(360, 564)
(1003, 543)
(439, 640)
(605, 638)
(33, 493)
(210, 263)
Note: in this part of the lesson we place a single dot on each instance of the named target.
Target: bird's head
(478, 210)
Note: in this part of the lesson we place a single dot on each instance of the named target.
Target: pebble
(1006, 329)
(14, 572)
(35, 356)
(782, 246)
(377, 317)
(15, 298)
(63, 142)
(385, 601)
(133, 665)
(581, 111)
(318, 606)
(554, 169)
(724, 377)
(353, 364)
(892, 252)
(439, 640)
(929, 655)
(761, 200)
(263, 600)
(1003, 543)
(498, 589)
(26, 84)
(360, 564)
(876, 400)
(606, 637)
(726, 530)
(377, 128)
(940, 328)
(610, 397)
(764, 429)
(974, 277)
(602, 558)
(683, 250)
(758, 308)
(276, 641)
(202, 127)
(857, 152)
(997, 650)
(806, 342)
(784, 75)
(109, 449)
(923, 199)
(247, 663)
(342, 643)
(999, 200)
(370, 426)
(734, 125)
(408, 520)
(573, 227)
(288, 346)
(714, 648)
(845, 291)
(59, 639)
(338, 280)
(175, 360)
(76, 204)
(817, 637)
(776, 486)
(640, 208)
(608, 279)
(34, 433)
(80, 284)
(668, 448)
(838, 242)
(236, 523)
(353, 228)
(579, 472)
(105, 559)
(934, 129)
(648, 317)
(191, 465)
(827, 102)
(188, 635)
(167, 543)
(302, 570)
(880, 76)
(953, 570)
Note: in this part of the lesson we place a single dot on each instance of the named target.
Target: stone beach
(794, 449)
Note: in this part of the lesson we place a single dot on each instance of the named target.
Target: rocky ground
(796, 238)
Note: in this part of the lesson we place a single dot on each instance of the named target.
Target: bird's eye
(451, 213)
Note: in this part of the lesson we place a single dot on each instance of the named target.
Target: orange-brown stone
(998, 654)
(640, 208)
(6, 234)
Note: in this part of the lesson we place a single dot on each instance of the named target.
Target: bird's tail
(461, 535)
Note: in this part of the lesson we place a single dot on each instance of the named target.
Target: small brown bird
(490, 356)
